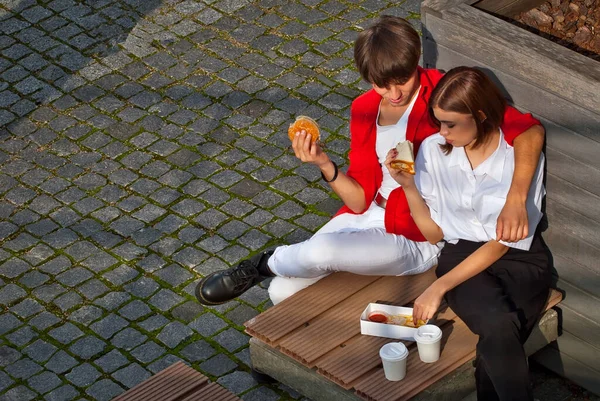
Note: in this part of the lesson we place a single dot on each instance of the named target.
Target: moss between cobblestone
(322, 75)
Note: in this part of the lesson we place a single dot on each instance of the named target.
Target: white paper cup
(428, 338)
(393, 356)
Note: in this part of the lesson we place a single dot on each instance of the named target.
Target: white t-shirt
(388, 136)
(466, 203)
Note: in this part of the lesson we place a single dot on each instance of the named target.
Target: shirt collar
(458, 157)
(493, 166)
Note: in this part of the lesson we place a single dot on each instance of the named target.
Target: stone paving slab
(142, 145)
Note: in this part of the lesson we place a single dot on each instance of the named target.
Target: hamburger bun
(404, 160)
(307, 124)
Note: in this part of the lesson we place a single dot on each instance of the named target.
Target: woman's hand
(407, 180)
(307, 151)
(427, 304)
(513, 223)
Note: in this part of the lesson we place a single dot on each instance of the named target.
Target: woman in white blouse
(463, 176)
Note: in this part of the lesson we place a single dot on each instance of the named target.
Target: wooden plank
(566, 366)
(578, 349)
(571, 144)
(459, 348)
(508, 8)
(580, 301)
(573, 197)
(573, 171)
(211, 392)
(436, 6)
(298, 310)
(579, 325)
(167, 385)
(570, 247)
(532, 58)
(523, 94)
(573, 223)
(357, 356)
(584, 277)
(344, 368)
(341, 322)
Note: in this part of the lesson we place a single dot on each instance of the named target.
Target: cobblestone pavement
(142, 145)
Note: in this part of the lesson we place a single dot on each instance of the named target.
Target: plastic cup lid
(428, 333)
(393, 351)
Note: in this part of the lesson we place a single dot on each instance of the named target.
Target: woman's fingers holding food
(422, 313)
(427, 304)
(388, 159)
(418, 312)
(391, 155)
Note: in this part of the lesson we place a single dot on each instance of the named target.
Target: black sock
(263, 266)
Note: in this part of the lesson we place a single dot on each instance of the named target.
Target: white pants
(353, 243)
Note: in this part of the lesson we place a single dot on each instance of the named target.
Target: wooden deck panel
(331, 343)
(178, 382)
(295, 312)
(458, 349)
(211, 392)
(347, 363)
(340, 323)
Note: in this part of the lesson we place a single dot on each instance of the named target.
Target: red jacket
(364, 164)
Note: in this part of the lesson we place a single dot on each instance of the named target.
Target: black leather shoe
(225, 285)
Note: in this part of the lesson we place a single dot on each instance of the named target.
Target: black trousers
(501, 305)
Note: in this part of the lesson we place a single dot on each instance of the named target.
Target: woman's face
(399, 95)
(458, 129)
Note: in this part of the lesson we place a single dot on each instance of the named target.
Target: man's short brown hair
(388, 51)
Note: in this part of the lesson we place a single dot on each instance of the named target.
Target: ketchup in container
(378, 317)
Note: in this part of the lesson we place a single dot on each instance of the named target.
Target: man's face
(399, 94)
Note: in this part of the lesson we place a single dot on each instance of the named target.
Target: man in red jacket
(374, 233)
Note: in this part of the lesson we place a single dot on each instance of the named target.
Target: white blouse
(466, 203)
(388, 136)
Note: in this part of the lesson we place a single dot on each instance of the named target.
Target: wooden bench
(312, 342)
(178, 382)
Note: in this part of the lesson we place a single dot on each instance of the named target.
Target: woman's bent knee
(495, 327)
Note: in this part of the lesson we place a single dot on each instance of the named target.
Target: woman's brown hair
(467, 90)
(387, 52)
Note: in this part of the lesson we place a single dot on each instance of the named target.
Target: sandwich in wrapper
(404, 160)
